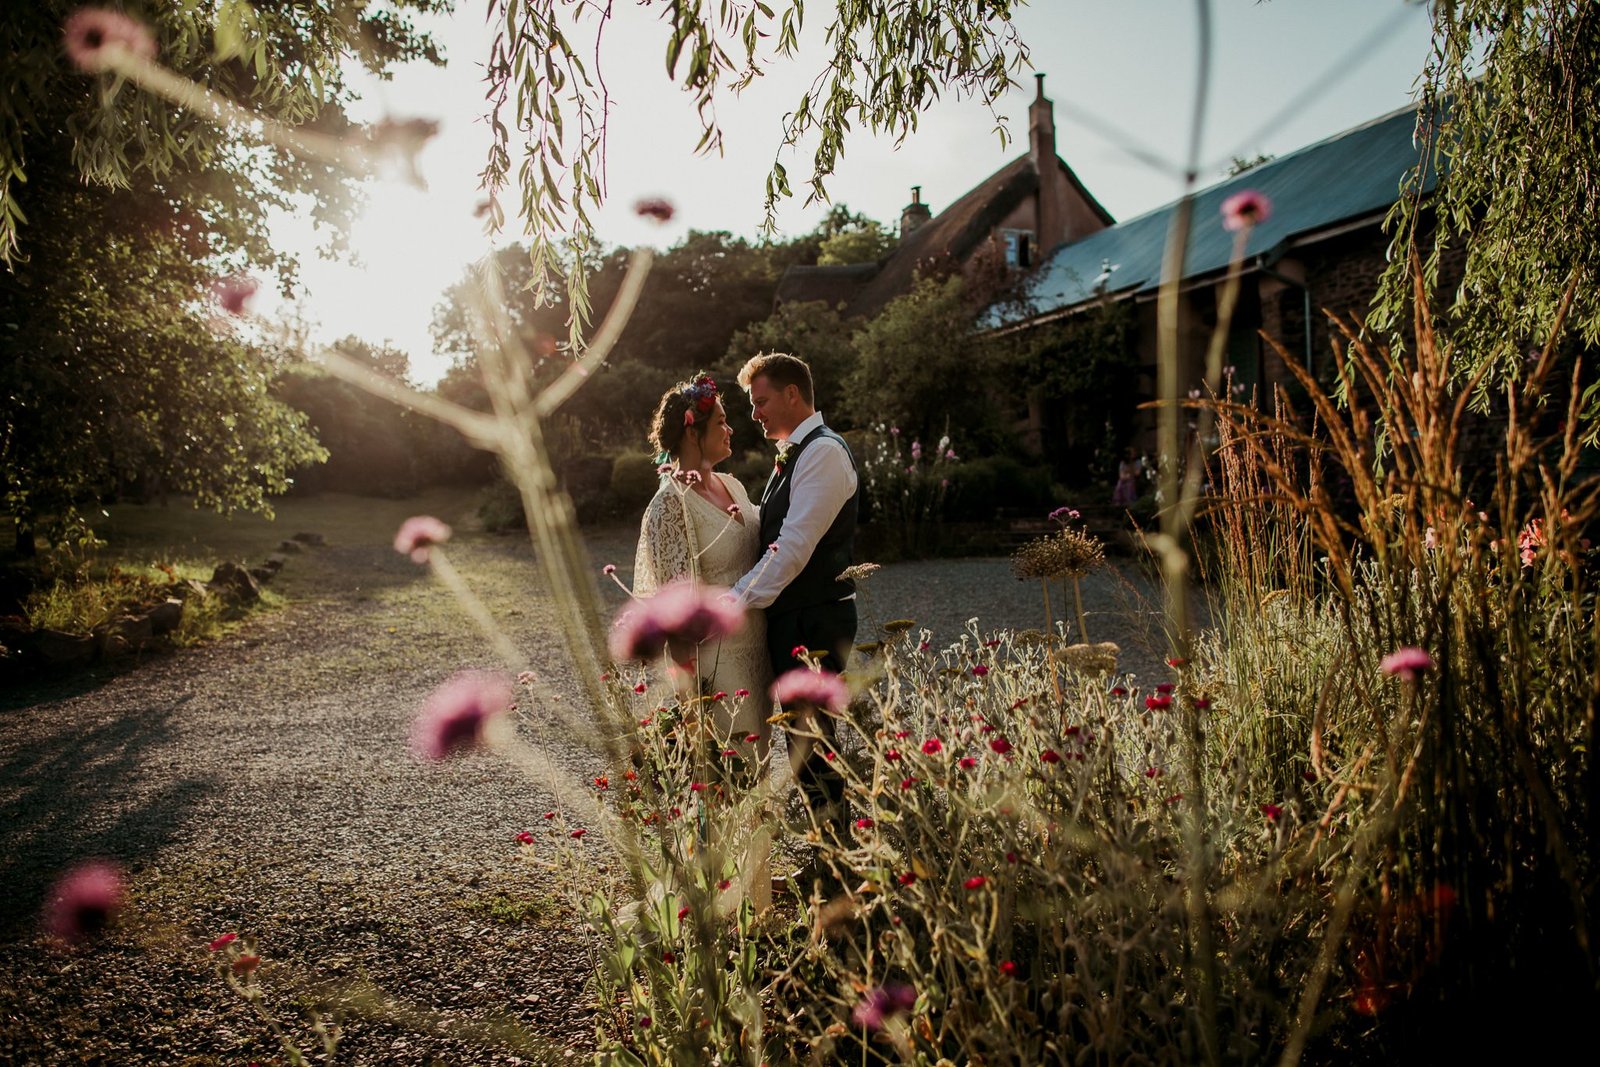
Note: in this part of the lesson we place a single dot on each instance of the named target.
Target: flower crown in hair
(702, 396)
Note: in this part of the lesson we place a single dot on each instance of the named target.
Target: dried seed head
(1068, 553)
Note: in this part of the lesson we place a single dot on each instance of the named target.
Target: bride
(701, 526)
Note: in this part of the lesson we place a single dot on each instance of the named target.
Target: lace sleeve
(664, 551)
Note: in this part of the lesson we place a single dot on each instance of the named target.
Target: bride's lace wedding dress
(685, 535)
(682, 535)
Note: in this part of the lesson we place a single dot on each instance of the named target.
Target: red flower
(668, 957)
(577, 834)
(901, 735)
(1157, 702)
(525, 838)
(977, 881)
(417, 534)
(741, 693)
(1118, 691)
(1152, 772)
(1176, 661)
(932, 746)
(1271, 811)
(799, 651)
(893, 755)
(752, 738)
(729, 753)
(1202, 702)
(640, 688)
(724, 884)
(1011, 857)
(865, 824)
(818, 688)
(1008, 968)
(246, 963)
(697, 787)
(1050, 755)
(456, 714)
(93, 33)
(631, 775)
(1000, 746)
(234, 293)
(923, 646)
(966, 763)
(907, 783)
(1165, 688)
(222, 942)
(656, 208)
(677, 619)
(979, 670)
(719, 695)
(549, 814)
(1245, 209)
(908, 878)
(682, 913)
(1407, 663)
(602, 782)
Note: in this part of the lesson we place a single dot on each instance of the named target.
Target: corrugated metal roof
(1350, 175)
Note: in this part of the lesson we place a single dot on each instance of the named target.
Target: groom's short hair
(779, 368)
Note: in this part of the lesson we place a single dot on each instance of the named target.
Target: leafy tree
(918, 366)
(865, 245)
(118, 209)
(817, 334)
(1510, 119)
(884, 64)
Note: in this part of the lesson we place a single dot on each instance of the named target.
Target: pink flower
(1050, 755)
(741, 693)
(609, 569)
(1407, 662)
(1202, 702)
(819, 688)
(656, 208)
(419, 533)
(979, 670)
(455, 714)
(94, 34)
(916, 449)
(222, 942)
(949, 453)
(688, 418)
(680, 617)
(882, 1004)
(234, 292)
(1000, 746)
(1245, 209)
(84, 901)
(977, 881)
(1271, 811)
(932, 746)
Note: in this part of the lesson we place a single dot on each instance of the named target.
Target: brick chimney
(1051, 195)
(915, 213)
(1041, 128)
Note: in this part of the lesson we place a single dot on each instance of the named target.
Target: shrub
(633, 481)
(980, 487)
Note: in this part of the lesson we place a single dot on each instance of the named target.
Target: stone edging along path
(262, 784)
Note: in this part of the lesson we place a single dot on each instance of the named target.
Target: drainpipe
(1305, 293)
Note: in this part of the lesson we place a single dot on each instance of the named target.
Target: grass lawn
(141, 534)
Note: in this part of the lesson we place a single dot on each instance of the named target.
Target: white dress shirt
(822, 482)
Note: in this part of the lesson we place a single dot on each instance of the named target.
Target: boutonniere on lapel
(780, 460)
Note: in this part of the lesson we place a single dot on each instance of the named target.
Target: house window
(1019, 248)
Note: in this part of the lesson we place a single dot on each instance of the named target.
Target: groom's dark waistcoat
(818, 582)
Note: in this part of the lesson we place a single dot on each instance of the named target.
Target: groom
(808, 512)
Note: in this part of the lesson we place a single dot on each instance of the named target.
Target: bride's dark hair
(698, 395)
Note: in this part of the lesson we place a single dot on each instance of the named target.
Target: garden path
(262, 784)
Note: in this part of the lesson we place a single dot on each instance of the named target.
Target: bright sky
(1285, 73)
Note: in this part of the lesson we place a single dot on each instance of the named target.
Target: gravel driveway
(262, 784)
